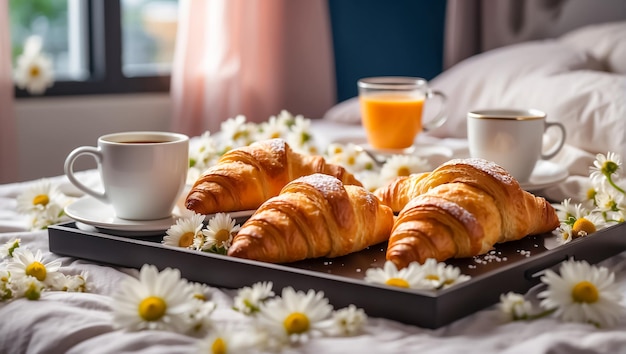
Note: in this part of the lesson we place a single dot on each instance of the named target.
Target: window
(100, 46)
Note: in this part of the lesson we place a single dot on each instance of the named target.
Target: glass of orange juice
(391, 110)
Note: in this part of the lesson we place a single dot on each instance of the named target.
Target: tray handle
(535, 272)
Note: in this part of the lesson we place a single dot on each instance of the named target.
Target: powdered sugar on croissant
(314, 216)
(245, 177)
(462, 209)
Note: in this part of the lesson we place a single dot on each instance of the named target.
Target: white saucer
(546, 174)
(437, 153)
(92, 212)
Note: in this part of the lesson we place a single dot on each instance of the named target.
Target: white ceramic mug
(512, 138)
(143, 173)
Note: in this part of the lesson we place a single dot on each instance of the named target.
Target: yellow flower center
(34, 71)
(240, 135)
(41, 199)
(152, 308)
(399, 282)
(591, 194)
(432, 277)
(585, 292)
(404, 171)
(219, 346)
(275, 135)
(222, 235)
(36, 270)
(199, 296)
(32, 293)
(186, 239)
(583, 225)
(296, 322)
(351, 161)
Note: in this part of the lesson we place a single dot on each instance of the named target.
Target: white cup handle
(558, 147)
(441, 116)
(69, 170)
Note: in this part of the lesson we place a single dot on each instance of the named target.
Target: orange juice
(391, 120)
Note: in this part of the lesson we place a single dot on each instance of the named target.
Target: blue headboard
(386, 37)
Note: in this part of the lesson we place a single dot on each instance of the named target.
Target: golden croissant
(462, 209)
(313, 216)
(245, 177)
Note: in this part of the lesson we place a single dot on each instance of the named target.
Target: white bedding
(63, 322)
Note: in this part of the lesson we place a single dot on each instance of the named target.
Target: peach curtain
(250, 57)
(8, 132)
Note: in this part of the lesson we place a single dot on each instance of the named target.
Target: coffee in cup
(512, 138)
(143, 173)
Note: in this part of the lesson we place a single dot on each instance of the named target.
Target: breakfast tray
(513, 266)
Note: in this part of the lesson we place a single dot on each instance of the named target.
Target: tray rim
(436, 308)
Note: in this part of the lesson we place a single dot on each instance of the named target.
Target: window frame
(104, 27)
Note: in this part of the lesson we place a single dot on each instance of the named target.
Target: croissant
(398, 192)
(313, 216)
(245, 177)
(462, 209)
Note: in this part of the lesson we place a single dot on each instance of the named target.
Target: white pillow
(566, 82)
(492, 79)
(606, 42)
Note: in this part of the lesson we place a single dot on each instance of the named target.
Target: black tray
(512, 266)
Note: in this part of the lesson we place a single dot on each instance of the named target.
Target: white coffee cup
(512, 138)
(143, 173)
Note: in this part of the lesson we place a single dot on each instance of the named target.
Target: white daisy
(514, 307)
(76, 283)
(370, 180)
(228, 339)
(297, 316)
(403, 165)
(201, 291)
(300, 137)
(219, 233)
(25, 263)
(286, 118)
(28, 287)
(203, 153)
(236, 132)
(564, 234)
(185, 232)
(588, 224)
(348, 321)
(7, 249)
(33, 70)
(609, 164)
(438, 275)
(587, 194)
(604, 169)
(334, 149)
(161, 301)
(274, 128)
(200, 317)
(583, 293)
(249, 299)
(609, 200)
(51, 215)
(344, 155)
(567, 211)
(6, 293)
(451, 275)
(408, 277)
(40, 196)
